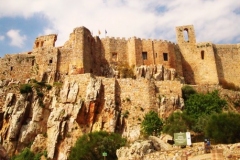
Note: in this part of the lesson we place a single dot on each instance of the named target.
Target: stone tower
(198, 59)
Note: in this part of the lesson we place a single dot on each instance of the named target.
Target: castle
(197, 63)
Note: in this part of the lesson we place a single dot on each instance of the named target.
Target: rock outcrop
(156, 148)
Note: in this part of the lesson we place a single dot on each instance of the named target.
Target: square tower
(185, 34)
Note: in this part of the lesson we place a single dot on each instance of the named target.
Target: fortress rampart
(197, 63)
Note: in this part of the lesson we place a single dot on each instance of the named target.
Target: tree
(91, 146)
(224, 127)
(199, 104)
(177, 122)
(151, 124)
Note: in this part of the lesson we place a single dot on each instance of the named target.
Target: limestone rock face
(52, 120)
(158, 72)
(17, 118)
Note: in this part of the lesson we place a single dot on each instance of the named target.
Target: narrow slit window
(37, 44)
(202, 54)
(165, 56)
(33, 61)
(156, 55)
(11, 68)
(114, 56)
(50, 61)
(144, 55)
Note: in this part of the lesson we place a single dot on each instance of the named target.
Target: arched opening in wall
(165, 56)
(42, 43)
(33, 62)
(11, 68)
(37, 44)
(144, 55)
(202, 54)
(185, 34)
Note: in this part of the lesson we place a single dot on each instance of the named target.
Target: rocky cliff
(50, 117)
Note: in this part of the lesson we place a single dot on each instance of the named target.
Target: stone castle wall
(198, 63)
(228, 60)
(18, 66)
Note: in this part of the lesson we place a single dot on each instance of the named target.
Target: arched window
(185, 34)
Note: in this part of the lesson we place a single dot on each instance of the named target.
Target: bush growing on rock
(25, 88)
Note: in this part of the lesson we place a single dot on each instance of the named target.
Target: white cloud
(1, 38)
(214, 20)
(16, 39)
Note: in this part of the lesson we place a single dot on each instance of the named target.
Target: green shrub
(187, 91)
(199, 104)
(48, 86)
(25, 88)
(40, 94)
(91, 146)
(177, 122)
(151, 124)
(224, 127)
(27, 154)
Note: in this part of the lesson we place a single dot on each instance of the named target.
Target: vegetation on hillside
(27, 154)
(91, 146)
(203, 114)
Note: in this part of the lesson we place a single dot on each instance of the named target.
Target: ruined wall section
(46, 63)
(198, 60)
(228, 60)
(45, 41)
(18, 67)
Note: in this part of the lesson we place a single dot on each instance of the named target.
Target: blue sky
(22, 21)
